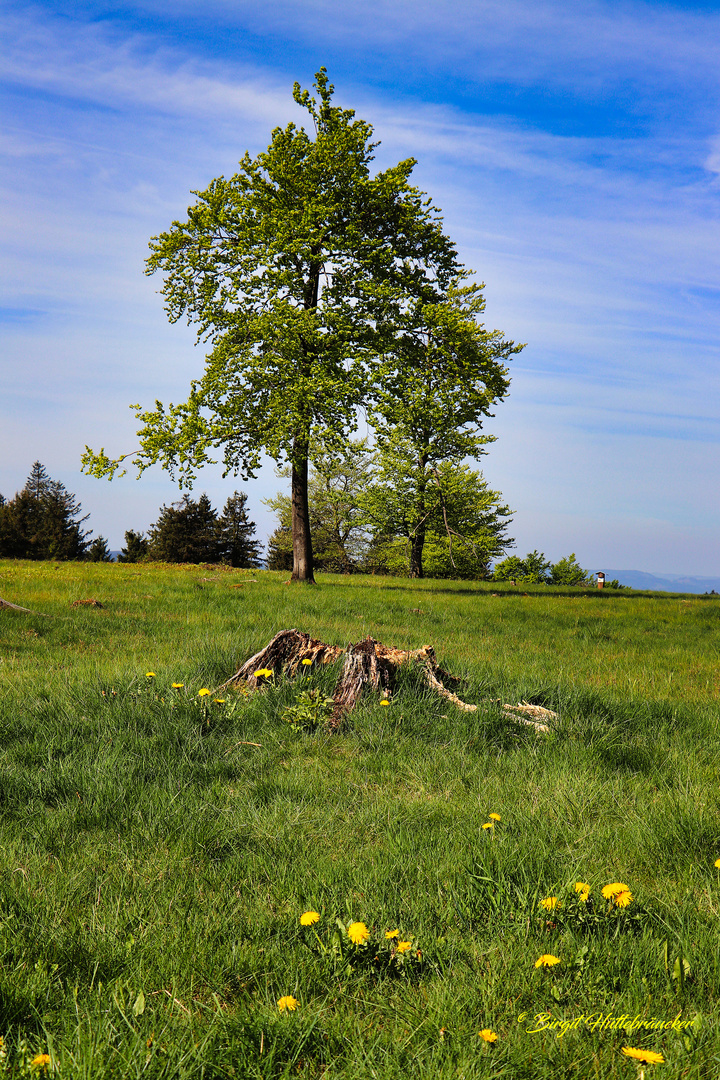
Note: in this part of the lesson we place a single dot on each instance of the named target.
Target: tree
(336, 483)
(99, 550)
(185, 532)
(235, 534)
(42, 521)
(568, 571)
(136, 547)
(534, 569)
(462, 521)
(294, 271)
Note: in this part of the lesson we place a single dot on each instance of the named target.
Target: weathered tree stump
(367, 663)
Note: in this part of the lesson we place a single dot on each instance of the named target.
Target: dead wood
(367, 663)
(28, 611)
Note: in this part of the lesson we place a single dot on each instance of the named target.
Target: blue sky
(573, 148)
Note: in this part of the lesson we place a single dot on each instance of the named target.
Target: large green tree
(295, 271)
(439, 378)
(43, 521)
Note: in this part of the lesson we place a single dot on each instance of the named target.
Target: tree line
(44, 521)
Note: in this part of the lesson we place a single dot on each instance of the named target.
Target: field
(159, 846)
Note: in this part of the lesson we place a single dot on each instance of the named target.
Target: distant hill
(638, 579)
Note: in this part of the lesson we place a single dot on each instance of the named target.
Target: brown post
(601, 579)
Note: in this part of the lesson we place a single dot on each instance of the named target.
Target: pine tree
(42, 521)
(235, 534)
(185, 532)
(99, 550)
(136, 547)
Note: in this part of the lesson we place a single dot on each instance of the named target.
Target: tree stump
(367, 663)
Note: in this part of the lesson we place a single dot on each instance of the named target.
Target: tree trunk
(302, 542)
(416, 552)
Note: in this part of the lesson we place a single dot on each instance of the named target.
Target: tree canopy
(299, 272)
(43, 521)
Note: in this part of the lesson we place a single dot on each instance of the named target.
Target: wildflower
(389, 934)
(178, 685)
(622, 899)
(358, 933)
(488, 1035)
(307, 662)
(612, 890)
(550, 903)
(40, 1061)
(489, 825)
(403, 946)
(309, 918)
(583, 889)
(148, 675)
(384, 702)
(547, 960)
(263, 673)
(219, 700)
(717, 862)
(287, 1003)
(648, 1057)
(204, 692)
(495, 817)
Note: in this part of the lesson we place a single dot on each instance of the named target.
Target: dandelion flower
(547, 960)
(219, 700)
(488, 1035)
(403, 946)
(583, 889)
(384, 702)
(178, 685)
(40, 1061)
(489, 825)
(148, 675)
(648, 1057)
(307, 662)
(717, 862)
(622, 899)
(612, 890)
(358, 933)
(263, 673)
(204, 692)
(287, 1003)
(309, 918)
(495, 817)
(550, 903)
(389, 934)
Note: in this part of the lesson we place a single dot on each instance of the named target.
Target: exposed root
(367, 663)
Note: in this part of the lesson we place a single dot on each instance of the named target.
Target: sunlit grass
(159, 847)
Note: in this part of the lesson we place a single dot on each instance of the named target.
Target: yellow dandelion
(583, 889)
(489, 825)
(488, 1035)
(384, 702)
(648, 1057)
(611, 890)
(204, 692)
(495, 817)
(547, 960)
(307, 662)
(622, 899)
(358, 933)
(551, 903)
(717, 862)
(403, 946)
(389, 934)
(287, 1003)
(263, 673)
(309, 918)
(148, 675)
(40, 1061)
(218, 700)
(178, 685)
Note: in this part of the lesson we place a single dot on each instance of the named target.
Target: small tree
(534, 569)
(568, 571)
(235, 534)
(185, 532)
(42, 521)
(136, 547)
(99, 550)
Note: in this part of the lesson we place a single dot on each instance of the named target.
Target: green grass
(155, 861)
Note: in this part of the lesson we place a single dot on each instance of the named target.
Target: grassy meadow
(159, 846)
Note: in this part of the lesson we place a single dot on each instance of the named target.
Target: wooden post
(601, 579)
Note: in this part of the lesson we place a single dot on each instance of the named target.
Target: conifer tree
(99, 550)
(136, 547)
(235, 534)
(185, 532)
(42, 521)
